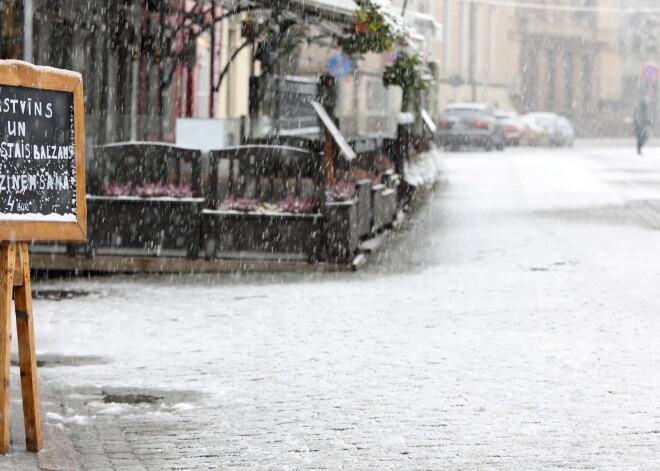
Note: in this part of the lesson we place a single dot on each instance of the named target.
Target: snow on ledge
(52, 217)
(405, 118)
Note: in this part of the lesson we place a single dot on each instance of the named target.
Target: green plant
(376, 29)
(408, 72)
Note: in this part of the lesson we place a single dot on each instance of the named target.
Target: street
(511, 325)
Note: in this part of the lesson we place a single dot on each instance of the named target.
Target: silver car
(470, 124)
(559, 128)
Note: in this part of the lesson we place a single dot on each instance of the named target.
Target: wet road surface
(513, 325)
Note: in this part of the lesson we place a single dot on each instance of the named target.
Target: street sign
(391, 56)
(650, 71)
(339, 65)
(455, 80)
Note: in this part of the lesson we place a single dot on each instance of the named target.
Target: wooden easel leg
(26, 354)
(7, 263)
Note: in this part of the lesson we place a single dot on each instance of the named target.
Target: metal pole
(161, 69)
(28, 18)
(473, 49)
(135, 65)
(212, 63)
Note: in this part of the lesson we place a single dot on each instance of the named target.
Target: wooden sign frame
(15, 283)
(23, 74)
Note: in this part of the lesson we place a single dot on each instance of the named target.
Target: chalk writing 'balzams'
(23, 150)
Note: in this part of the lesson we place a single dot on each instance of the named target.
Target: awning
(334, 10)
(331, 14)
(335, 7)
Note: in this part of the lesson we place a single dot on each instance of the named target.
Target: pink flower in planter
(239, 204)
(178, 191)
(116, 189)
(342, 190)
(359, 174)
(151, 190)
(382, 162)
(148, 190)
(292, 204)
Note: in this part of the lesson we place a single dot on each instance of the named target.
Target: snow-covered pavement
(513, 325)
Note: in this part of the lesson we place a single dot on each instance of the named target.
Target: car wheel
(454, 147)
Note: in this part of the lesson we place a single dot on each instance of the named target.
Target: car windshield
(546, 122)
(463, 111)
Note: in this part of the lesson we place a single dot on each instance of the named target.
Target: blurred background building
(148, 62)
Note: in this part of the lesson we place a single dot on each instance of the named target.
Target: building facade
(563, 56)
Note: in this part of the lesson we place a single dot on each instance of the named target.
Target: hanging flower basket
(376, 29)
(408, 72)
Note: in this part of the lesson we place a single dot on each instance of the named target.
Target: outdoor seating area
(251, 202)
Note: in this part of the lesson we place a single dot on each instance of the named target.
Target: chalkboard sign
(42, 176)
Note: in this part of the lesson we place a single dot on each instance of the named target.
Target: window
(376, 96)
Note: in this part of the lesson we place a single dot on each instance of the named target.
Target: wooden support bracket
(15, 283)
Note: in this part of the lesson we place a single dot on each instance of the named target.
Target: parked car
(559, 129)
(470, 124)
(515, 129)
(537, 135)
(566, 131)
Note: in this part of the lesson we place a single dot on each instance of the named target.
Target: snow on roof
(472, 106)
(337, 6)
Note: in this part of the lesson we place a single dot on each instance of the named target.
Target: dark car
(470, 124)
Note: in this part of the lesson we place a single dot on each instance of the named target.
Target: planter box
(342, 237)
(383, 205)
(234, 233)
(129, 225)
(363, 196)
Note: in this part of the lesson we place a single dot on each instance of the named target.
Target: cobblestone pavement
(512, 326)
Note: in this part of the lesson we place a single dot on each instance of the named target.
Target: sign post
(650, 71)
(42, 198)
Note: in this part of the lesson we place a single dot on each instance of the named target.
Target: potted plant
(411, 74)
(376, 29)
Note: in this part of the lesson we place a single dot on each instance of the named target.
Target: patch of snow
(54, 416)
(38, 217)
(182, 406)
(112, 409)
(77, 420)
(425, 169)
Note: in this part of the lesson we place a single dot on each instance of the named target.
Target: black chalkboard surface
(37, 155)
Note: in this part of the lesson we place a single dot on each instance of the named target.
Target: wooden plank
(126, 264)
(79, 126)
(18, 271)
(428, 121)
(43, 231)
(7, 263)
(329, 159)
(337, 136)
(27, 357)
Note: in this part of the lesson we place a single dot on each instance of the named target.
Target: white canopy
(345, 7)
